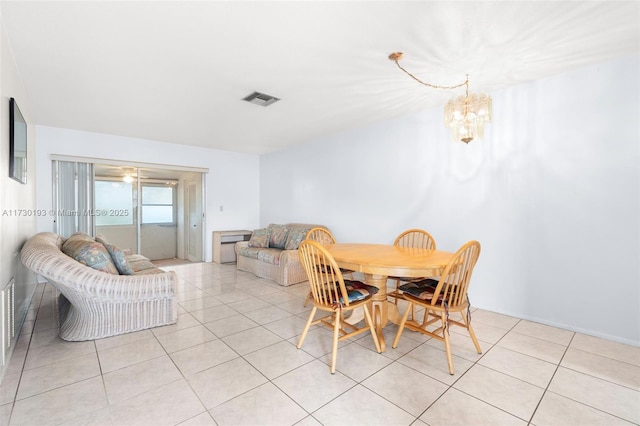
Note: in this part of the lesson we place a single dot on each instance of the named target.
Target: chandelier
(465, 115)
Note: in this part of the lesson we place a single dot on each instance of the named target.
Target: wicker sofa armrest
(241, 244)
(100, 285)
(289, 257)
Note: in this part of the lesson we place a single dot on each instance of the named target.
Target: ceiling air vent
(260, 99)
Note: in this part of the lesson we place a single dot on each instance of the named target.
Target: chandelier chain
(435, 86)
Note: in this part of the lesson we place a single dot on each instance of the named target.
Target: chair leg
(306, 327)
(409, 306)
(367, 320)
(307, 299)
(372, 328)
(334, 346)
(472, 334)
(475, 340)
(447, 343)
(402, 324)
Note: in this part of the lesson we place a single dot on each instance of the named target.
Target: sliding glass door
(154, 212)
(73, 187)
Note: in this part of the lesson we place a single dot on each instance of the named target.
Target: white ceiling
(175, 71)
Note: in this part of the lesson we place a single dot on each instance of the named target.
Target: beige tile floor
(231, 360)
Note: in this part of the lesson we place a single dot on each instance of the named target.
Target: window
(114, 203)
(158, 204)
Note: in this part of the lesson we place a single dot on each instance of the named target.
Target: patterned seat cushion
(421, 289)
(357, 290)
(406, 279)
(250, 252)
(270, 255)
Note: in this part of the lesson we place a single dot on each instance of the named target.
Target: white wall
(232, 181)
(17, 201)
(552, 193)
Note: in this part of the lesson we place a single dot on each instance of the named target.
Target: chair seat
(421, 289)
(406, 279)
(342, 271)
(357, 290)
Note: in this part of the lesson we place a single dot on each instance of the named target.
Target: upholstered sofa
(272, 253)
(98, 301)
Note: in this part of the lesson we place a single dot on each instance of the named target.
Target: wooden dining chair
(321, 235)
(332, 293)
(414, 238)
(443, 297)
(324, 237)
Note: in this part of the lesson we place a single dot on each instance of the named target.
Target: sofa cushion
(295, 237)
(119, 258)
(277, 236)
(250, 252)
(89, 252)
(259, 238)
(150, 271)
(140, 263)
(270, 255)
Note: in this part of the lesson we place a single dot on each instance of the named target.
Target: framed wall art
(17, 143)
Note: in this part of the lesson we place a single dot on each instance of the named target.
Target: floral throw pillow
(277, 235)
(259, 238)
(295, 236)
(89, 253)
(119, 259)
(102, 239)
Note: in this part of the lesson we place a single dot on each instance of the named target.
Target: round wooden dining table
(379, 261)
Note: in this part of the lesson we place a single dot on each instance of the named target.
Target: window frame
(173, 204)
(132, 199)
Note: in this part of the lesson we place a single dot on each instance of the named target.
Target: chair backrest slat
(321, 235)
(454, 281)
(325, 279)
(415, 238)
